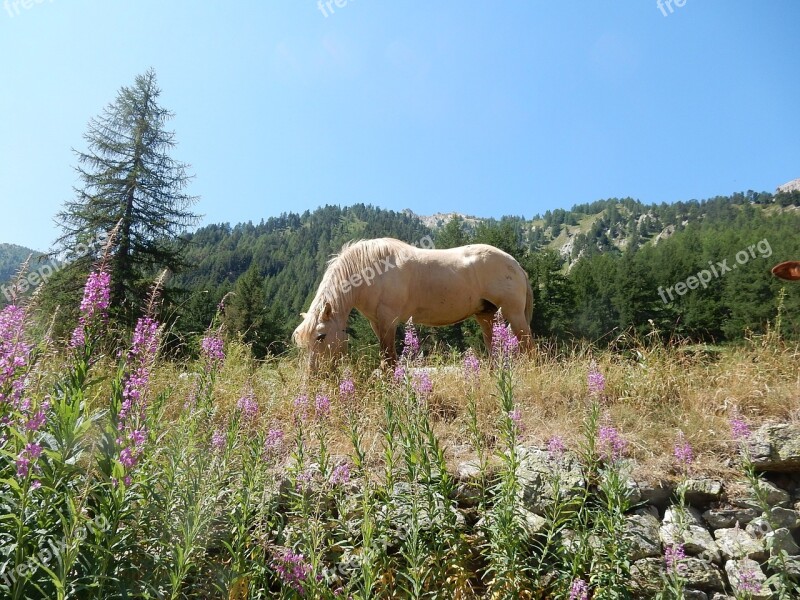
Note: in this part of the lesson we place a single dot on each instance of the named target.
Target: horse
(789, 270)
(390, 282)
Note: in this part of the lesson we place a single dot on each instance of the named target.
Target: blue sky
(479, 107)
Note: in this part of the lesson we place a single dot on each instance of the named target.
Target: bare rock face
(776, 448)
(789, 187)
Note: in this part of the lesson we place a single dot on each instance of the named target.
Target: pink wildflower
(211, 348)
(472, 366)
(410, 341)
(421, 383)
(217, 440)
(612, 445)
(556, 446)
(504, 343)
(597, 383)
(292, 568)
(96, 295)
(683, 452)
(248, 405)
(273, 441)
(673, 555)
(322, 405)
(579, 590)
(340, 474)
(347, 389)
(739, 429)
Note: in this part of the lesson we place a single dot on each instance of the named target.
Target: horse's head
(787, 270)
(323, 335)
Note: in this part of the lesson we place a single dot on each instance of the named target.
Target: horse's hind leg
(485, 321)
(522, 329)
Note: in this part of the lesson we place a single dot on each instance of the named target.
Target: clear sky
(487, 108)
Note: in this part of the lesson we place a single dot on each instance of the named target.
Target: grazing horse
(789, 270)
(389, 282)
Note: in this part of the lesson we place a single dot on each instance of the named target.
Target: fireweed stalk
(674, 554)
(506, 539)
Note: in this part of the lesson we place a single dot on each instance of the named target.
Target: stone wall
(727, 538)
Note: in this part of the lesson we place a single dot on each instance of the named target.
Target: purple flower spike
(683, 452)
(612, 445)
(556, 445)
(579, 590)
(739, 429)
(597, 383)
(410, 342)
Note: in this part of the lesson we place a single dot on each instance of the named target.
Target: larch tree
(128, 178)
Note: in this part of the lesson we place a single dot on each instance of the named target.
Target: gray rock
(701, 492)
(537, 473)
(641, 532)
(720, 518)
(775, 496)
(694, 595)
(656, 494)
(719, 596)
(785, 517)
(758, 527)
(696, 540)
(738, 543)
(781, 540)
(775, 448)
(702, 575)
(647, 577)
(468, 471)
(686, 516)
(746, 576)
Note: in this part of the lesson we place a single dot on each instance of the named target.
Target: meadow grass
(129, 475)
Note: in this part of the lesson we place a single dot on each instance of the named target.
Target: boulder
(695, 538)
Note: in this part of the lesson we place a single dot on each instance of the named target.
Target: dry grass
(652, 393)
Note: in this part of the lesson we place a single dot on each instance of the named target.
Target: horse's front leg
(386, 335)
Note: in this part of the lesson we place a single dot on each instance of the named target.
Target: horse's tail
(529, 301)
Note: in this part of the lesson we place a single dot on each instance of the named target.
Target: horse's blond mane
(354, 257)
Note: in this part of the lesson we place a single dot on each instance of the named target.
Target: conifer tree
(127, 177)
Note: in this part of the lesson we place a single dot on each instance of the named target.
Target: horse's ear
(327, 311)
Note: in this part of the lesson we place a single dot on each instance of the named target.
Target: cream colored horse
(787, 270)
(389, 281)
